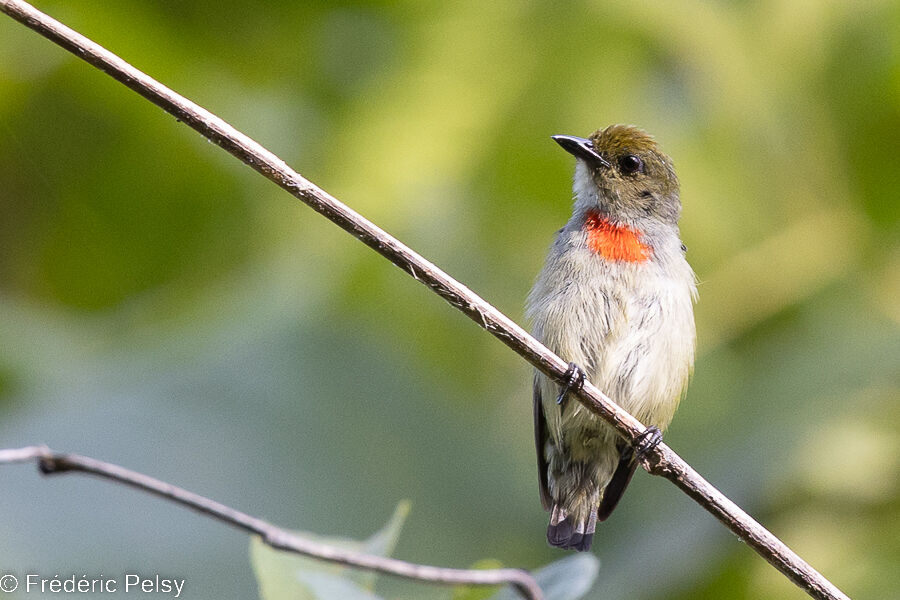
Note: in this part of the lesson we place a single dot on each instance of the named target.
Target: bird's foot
(575, 377)
(649, 439)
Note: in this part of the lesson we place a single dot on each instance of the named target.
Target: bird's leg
(574, 380)
(646, 441)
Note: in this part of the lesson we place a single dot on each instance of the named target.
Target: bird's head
(622, 173)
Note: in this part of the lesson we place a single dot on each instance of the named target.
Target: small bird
(616, 299)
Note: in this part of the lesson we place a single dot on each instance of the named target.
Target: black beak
(581, 148)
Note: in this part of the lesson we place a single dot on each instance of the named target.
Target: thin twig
(51, 462)
(662, 461)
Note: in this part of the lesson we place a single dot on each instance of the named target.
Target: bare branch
(662, 461)
(50, 462)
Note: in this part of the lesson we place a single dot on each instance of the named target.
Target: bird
(615, 299)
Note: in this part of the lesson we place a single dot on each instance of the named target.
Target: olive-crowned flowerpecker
(615, 298)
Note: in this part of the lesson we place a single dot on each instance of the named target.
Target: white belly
(630, 327)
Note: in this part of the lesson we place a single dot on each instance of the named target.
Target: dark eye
(630, 164)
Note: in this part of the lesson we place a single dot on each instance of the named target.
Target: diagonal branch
(662, 461)
(50, 462)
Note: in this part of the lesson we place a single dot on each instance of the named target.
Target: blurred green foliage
(282, 575)
(163, 307)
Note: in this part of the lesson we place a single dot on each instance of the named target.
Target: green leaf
(383, 541)
(478, 592)
(566, 579)
(282, 575)
(334, 587)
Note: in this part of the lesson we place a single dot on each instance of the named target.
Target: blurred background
(165, 308)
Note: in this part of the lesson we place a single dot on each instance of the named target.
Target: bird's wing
(540, 443)
(620, 480)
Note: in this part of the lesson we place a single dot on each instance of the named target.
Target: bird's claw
(646, 441)
(574, 380)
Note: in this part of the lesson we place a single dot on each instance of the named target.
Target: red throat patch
(615, 242)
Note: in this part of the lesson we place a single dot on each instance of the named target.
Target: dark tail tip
(564, 535)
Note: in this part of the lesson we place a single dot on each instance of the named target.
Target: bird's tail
(571, 531)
